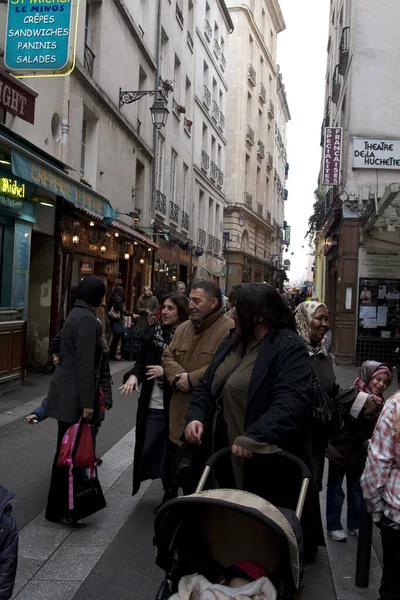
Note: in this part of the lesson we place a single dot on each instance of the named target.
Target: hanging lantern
(103, 249)
(75, 239)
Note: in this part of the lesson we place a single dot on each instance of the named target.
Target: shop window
(379, 308)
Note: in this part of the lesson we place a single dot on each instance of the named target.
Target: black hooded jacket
(8, 545)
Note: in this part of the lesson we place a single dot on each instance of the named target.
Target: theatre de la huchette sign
(376, 153)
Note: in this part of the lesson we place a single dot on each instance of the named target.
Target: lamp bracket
(129, 96)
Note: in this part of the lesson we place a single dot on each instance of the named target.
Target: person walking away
(363, 402)
(192, 350)
(8, 545)
(380, 484)
(153, 404)
(116, 312)
(312, 321)
(146, 307)
(74, 389)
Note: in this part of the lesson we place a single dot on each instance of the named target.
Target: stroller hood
(227, 526)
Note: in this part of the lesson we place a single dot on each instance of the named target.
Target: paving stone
(39, 541)
(70, 563)
(44, 590)
(27, 567)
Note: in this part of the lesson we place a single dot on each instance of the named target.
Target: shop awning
(124, 228)
(213, 268)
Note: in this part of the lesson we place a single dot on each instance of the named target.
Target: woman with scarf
(363, 403)
(312, 325)
(153, 405)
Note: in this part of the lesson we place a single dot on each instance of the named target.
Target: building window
(185, 182)
(83, 147)
(160, 162)
(177, 78)
(174, 156)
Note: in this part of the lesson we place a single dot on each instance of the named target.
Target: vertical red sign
(332, 157)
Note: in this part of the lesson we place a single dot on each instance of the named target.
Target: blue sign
(39, 36)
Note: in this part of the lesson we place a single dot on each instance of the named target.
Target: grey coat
(75, 383)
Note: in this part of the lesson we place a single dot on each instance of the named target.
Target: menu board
(379, 308)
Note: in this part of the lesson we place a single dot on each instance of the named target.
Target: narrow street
(113, 557)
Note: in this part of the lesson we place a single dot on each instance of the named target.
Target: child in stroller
(199, 537)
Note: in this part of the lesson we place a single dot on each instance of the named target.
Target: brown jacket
(144, 304)
(191, 351)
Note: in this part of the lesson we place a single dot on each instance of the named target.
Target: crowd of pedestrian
(249, 371)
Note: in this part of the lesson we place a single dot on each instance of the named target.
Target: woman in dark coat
(255, 393)
(153, 405)
(74, 386)
(116, 306)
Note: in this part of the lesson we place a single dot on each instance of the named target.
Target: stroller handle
(303, 469)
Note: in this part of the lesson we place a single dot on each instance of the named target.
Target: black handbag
(325, 411)
(88, 498)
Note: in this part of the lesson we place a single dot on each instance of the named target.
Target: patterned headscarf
(304, 314)
(370, 369)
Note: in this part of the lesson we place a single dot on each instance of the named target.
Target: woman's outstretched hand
(131, 385)
(194, 432)
(241, 452)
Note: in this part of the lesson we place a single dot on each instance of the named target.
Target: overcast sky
(302, 59)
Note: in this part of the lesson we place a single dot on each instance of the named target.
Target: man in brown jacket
(192, 349)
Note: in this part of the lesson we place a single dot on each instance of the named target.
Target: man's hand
(241, 452)
(131, 385)
(182, 383)
(154, 372)
(88, 413)
(194, 432)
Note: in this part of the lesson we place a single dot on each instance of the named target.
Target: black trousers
(390, 583)
(57, 501)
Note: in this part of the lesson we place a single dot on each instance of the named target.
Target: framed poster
(379, 308)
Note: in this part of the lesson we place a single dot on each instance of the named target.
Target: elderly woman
(255, 393)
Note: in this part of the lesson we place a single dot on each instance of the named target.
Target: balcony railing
(328, 107)
(214, 171)
(285, 194)
(259, 208)
(250, 135)
(215, 111)
(261, 148)
(251, 75)
(217, 247)
(211, 242)
(178, 14)
(270, 161)
(336, 84)
(248, 199)
(174, 212)
(221, 120)
(271, 109)
(185, 221)
(189, 40)
(206, 96)
(220, 178)
(217, 49)
(268, 217)
(262, 94)
(88, 60)
(207, 30)
(161, 203)
(205, 160)
(344, 50)
(201, 237)
(223, 62)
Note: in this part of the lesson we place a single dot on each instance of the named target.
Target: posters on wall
(379, 307)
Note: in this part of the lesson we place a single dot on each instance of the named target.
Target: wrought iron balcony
(206, 96)
(179, 14)
(161, 202)
(344, 50)
(211, 242)
(217, 49)
(261, 148)
(215, 111)
(189, 40)
(248, 199)
(217, 247)
(251, 75)
(285, 194)
(262, 93)
(271, 109)
(174, 212)
(268, 217)
(250, 135)
(205, 160)
(88, 60)
(336, 84)
(259, 208)
(220, 178)
(201, 237)
(185, 221)
(214, 171)
(207, 30)
(223, 62)
(328, 111)
(221, 120)
(270, 161)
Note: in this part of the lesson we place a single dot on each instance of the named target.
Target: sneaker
(338, 535)
(353, 532)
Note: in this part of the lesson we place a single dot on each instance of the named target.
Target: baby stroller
(211, 529)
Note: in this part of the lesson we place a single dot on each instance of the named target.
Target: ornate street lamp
(159, 113)
(159, 110)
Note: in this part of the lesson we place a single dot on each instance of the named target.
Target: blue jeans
(335, 497)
